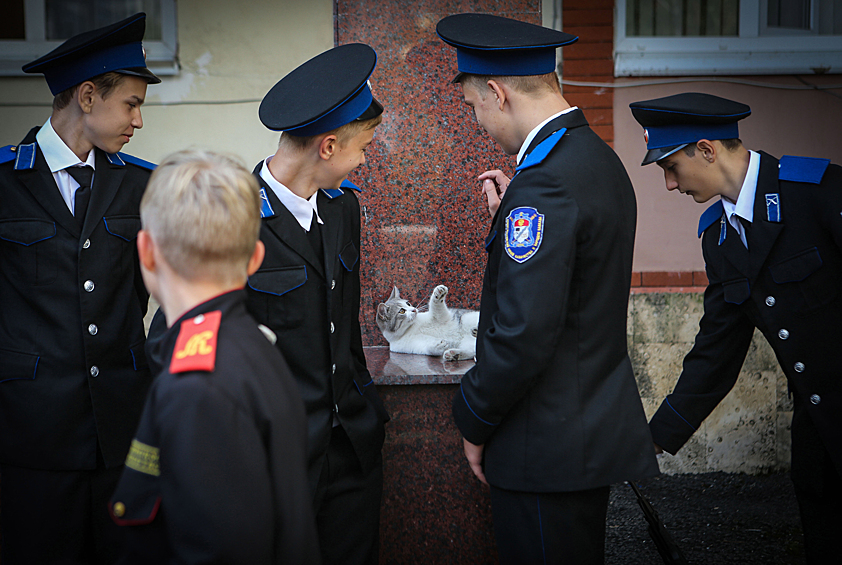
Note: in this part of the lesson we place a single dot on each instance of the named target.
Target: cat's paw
(440, 292)
(454, 355)
(474, 332)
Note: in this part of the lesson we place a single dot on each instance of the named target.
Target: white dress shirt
(301, 208)
(534, 132)
(59, 156)
(744, 207)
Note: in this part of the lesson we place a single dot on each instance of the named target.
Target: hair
(104, 84)
(202, 209)
(530, 84)
(343, 134)
(729, 144)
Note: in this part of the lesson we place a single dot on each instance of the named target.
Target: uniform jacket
(313, 306)
(787, 284)
(553, 396)
(217, 470)
(72, 366)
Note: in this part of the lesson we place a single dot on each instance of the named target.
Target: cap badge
(646, 136)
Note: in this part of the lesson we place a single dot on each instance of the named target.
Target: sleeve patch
(144, 458)
(195, 348)
(524, 233)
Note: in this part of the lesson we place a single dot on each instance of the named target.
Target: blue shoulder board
(7, 154)
(541, 150)
(333, 192)
(136, 161)
(712, 214)
(348, 184)
(802, 169)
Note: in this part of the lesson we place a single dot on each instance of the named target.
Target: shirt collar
(56, 152)
(534, 132)
(744, 207)
(301, 208)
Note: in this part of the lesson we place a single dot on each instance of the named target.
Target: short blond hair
(202, 209)
(343, 134)
(529, 84)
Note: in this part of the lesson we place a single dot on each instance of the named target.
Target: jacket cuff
(669, 428)
(472, 426)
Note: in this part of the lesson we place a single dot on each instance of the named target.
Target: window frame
(161, 55)
(776, 52)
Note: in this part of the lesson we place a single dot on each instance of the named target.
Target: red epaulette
(195, 348)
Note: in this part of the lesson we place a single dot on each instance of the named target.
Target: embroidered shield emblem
(524, 232)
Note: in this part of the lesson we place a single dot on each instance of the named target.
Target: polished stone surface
(424, 221)
(388, 368)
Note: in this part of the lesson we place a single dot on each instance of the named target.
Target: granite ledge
(388, 368)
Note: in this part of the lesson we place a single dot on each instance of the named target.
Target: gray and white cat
(449, 332)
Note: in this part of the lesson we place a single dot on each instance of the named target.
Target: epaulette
(802, 169)
(7, 154)
(333, 192)
(134, 161)
(25, 156)
(195, 348)
(541, 150)
(711, 215)
(348, 184)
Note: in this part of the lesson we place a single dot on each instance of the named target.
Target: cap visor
(374, 109)
(457, 79)
(657, 154)
(141, 72)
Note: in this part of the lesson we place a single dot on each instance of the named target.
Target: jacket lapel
(41, 184)
(107, 180)
(287, 229)
(763, 232)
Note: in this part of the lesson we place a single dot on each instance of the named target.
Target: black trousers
(556, 527)
(347, 506)
(818, 489)
(58, 517)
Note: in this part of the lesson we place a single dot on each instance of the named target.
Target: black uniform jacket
(217, 470)
(553, 396)
(72, 365)
(313, 306)
(788, 285)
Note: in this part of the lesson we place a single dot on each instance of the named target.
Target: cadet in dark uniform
(308, 288)
(73, 375)
(550, 414)
(772, 244)
(217, 470)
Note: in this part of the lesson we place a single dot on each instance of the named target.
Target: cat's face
(395, 316)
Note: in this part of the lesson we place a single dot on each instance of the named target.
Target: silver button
(770, 301)
(336, 408)
(89, 286)
(199, 319)
(332, 328)
(799, 367)
(86, 244)
(332, 284)
(92, 329)
(94, 371)
(815, 399)
(783, 334)
(333, 369)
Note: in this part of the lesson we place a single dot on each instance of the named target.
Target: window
(727, 37)
(32, 28)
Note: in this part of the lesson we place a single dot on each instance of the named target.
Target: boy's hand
(494, 185)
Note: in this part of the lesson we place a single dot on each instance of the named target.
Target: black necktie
(746, 227)
(83, 176)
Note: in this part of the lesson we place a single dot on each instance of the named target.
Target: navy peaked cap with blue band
(116, 47)
(328, 91)
(672, 122)
(497, 46)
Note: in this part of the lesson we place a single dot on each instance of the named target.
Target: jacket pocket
(138, 353)
(274, 291)
(736, 291)
(28, 249)
(124, 227)
(349, 256)
(803, 273)
(15, 365)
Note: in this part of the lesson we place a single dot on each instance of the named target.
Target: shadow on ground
(715, 518)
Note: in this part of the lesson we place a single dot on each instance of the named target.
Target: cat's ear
(395, 293)
(382, 312)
